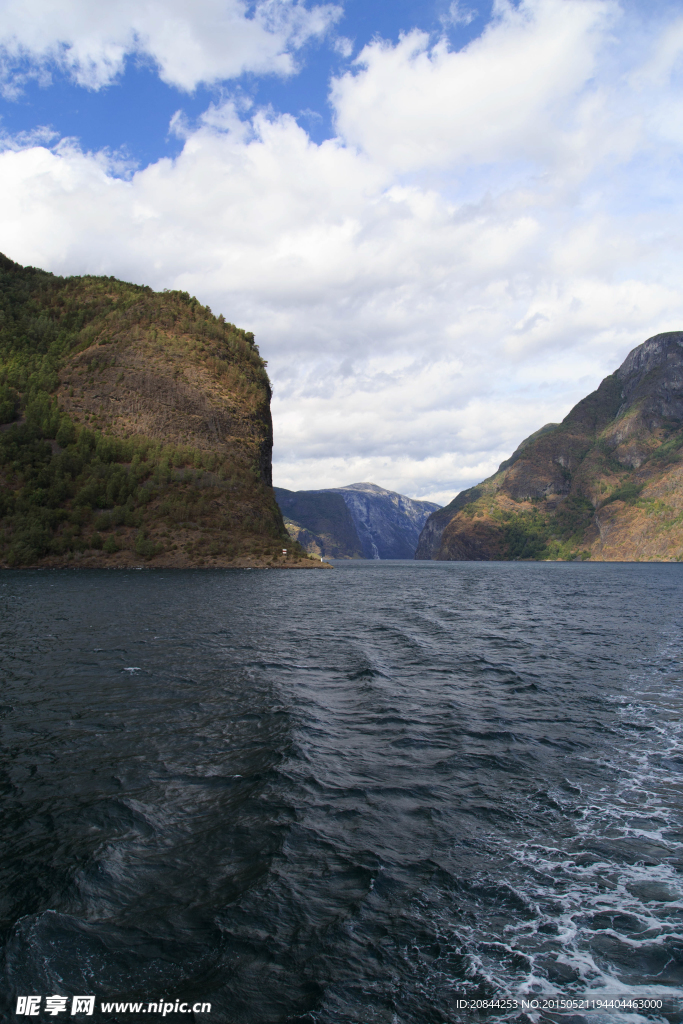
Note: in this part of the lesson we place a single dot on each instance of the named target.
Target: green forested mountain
(134, 426)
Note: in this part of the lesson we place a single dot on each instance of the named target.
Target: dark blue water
(355, 795)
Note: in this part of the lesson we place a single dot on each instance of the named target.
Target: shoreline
(98, 561)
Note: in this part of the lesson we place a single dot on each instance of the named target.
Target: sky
(445, 222)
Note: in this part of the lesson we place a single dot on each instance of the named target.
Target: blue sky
(445, 222)
(133, 112)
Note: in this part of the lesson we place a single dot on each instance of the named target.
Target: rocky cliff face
(388, 524)
(320, 522)
(374, 523)
(606, 483)
(134, 426)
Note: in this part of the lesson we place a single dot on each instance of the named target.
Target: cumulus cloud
(511, 94)
(203, 42)
(420, 315)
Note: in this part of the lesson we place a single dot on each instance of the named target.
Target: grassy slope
(135, 426)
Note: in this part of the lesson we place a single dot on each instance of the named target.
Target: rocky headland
(604, 484)
(135, 428)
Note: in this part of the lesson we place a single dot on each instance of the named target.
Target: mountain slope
(388, 524)
(368, 521)
(606, 483)
(320, 522)
(134, 426)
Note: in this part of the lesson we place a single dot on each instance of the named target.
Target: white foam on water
(605, 905)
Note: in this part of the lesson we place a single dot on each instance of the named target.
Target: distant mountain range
(358, 521)
(605, 484)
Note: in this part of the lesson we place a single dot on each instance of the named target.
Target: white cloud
(202, 42)
(458, 15)
(344, 46)
(416, 329)
(509, 95)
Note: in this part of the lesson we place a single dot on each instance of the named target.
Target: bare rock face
(606, 483)
(388, 524)
(376, 523)
(651, 376)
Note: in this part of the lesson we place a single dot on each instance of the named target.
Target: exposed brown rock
(606, 483)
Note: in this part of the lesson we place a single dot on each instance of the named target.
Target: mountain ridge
(385, 524)
(606, 483)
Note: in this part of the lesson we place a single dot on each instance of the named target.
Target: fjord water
(349, 795)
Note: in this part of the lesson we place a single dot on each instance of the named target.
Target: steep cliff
(134, 426)
(388, 524)
(358, 521)
(320, 522)
(606, 483)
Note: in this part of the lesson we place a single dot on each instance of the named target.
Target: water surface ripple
(342, 796)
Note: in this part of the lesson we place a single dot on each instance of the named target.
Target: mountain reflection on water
(356, 795)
